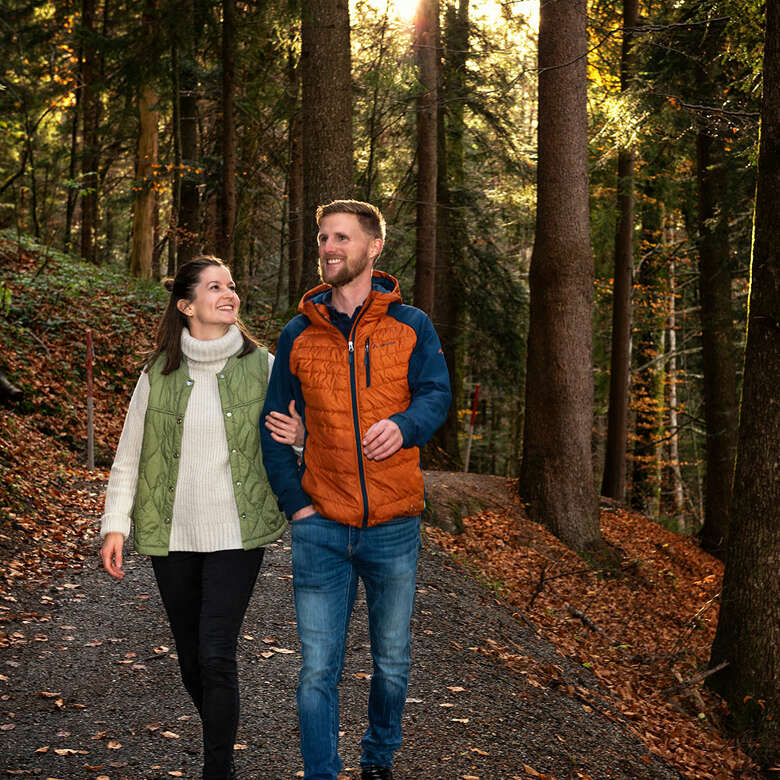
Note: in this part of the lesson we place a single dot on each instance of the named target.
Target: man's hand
(286, 429)
(305, 511)
(111, 553)
(382, 439)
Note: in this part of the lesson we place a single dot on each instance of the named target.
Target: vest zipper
(356, 422)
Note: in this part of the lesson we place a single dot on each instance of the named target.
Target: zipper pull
(368, 364)
(351, 351)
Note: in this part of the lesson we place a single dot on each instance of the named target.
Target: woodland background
(571, 193)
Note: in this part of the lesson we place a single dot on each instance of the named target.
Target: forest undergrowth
(643, 625)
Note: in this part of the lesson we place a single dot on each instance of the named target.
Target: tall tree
(326, 81)
(556, 475)
(145, 192)
(227, 201)
(451, 234)
(145, 195)
(294, 178)
(426, 38)
(717, 329)
(186, 129)
(614, 481)
(748, 633)
(90, 161)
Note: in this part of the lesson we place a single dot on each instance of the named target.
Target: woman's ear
(182, 306)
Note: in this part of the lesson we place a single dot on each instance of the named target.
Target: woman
(189, 474)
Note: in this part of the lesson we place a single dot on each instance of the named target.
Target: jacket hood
(383, 286)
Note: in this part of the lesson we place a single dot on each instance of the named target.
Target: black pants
(206, 596)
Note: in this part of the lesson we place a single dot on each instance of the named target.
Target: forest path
(90, 688)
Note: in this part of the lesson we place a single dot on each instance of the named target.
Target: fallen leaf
(44, 749)
(456, 688)
(112, 744)
(169, 735)
(480, 752)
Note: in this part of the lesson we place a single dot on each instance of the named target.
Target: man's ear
(376, 249)
(182, 306)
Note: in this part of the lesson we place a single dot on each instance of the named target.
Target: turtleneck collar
(197, 351)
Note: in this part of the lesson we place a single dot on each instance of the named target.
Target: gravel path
(88, 687)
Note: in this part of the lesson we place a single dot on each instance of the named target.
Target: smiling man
(368, 376)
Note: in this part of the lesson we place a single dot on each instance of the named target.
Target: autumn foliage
(641, 617)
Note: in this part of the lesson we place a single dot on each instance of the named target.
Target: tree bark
(748, 633)
(327, 117)
(426, 49)
(145, 199)
(295, 181)
(614, 480)
(188, 228)
(227, 202)
(648, 376)
(451, 234)
(720, 374)
(90, 160)
(556, 476)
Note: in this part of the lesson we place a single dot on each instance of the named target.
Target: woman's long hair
(182, 287)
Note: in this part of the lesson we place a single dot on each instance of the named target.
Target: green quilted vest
(242, 386)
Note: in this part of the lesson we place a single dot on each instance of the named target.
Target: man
(368, 376)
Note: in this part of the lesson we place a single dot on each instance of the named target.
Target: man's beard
(347, 272)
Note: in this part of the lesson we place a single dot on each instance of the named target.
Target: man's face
(346, 252)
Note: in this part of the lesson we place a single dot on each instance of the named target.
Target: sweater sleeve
(280, 460)
(122, 482)
(429, 383)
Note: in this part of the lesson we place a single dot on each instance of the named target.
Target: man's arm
(429, 383)
(280, 461)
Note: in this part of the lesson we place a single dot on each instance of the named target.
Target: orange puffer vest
(347, 387)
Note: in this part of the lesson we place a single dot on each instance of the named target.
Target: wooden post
(471, 429)
(90, 410)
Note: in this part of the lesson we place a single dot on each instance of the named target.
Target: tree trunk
(74, 145)
(720, 374)
(451, 234)
(295, 181)
(188, 228)
(556, 476)
(227, 202)
(648, 376)
(748, 633)
(614, 481)
(144, 201)
(327, 117)
(674, 425)
(426, 47)
(90, 160)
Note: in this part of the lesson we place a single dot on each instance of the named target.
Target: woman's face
(214, 307)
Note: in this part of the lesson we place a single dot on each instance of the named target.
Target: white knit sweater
(205, 517)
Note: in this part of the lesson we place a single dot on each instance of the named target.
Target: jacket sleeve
(429, 383)
(280, 460)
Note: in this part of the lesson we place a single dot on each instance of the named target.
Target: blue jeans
(328, 558)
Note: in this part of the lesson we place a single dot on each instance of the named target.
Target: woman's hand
(111, 554)
(286, 429)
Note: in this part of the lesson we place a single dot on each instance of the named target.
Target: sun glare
(488, 12)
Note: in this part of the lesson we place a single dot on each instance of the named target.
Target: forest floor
(527, 661)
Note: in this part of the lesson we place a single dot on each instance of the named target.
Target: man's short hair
(370, 217)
